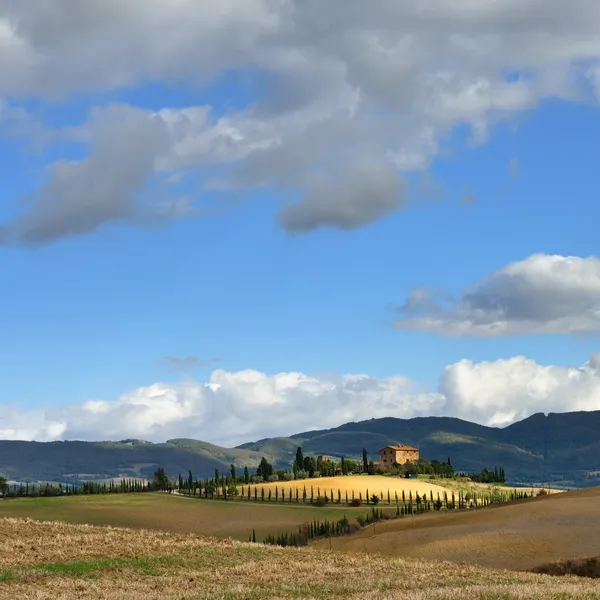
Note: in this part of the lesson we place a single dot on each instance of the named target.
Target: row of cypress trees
(33, 490)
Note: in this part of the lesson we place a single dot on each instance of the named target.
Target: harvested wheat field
(65, 562)
(174, 513)
(359, 484)
(520, 535)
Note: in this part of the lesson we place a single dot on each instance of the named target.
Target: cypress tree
(299, 459)
(232, 469)
(365, 461)
(246, 475)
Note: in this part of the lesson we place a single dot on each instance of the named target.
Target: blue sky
(102, 298)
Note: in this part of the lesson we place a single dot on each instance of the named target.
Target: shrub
(542, 492)
(288, 476)
(321, 500)
(361, 520)
(374, 499)
(273, 477)
(356, 502)
(232, 490)
(301, 475)
(585, 567)
(256, 479)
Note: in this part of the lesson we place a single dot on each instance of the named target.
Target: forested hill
(555, 448)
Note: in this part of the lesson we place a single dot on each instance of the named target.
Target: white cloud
(236, 407)
(339, 83)
(504, 391)
(541, 294)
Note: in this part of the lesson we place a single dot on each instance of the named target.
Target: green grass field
(178, 514)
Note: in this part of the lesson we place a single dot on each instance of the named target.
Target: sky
(250, 218)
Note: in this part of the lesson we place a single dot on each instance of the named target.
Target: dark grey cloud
(362, 196)
(336, 85)
(80, 197)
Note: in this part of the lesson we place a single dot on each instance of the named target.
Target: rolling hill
(520, 535)
(558, 449)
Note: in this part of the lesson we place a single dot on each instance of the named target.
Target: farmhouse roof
(398, 448)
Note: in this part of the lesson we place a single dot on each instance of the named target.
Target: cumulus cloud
(235, 407)
(541, 294)
(333, 85)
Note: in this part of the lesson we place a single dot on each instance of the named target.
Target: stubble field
(59, 561)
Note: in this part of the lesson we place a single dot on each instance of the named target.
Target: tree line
(421, 504)
(33, 490)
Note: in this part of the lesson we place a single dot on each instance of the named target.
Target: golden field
(43, 561)
(359, 484)
(519, 535)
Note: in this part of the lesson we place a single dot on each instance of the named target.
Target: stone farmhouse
(397, 454)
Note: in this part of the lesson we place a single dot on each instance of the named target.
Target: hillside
(520, 536)
(64, 461)
(558, 449)
(63, 562)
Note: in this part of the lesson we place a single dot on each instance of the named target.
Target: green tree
(191, 486)
(3, 485)
(265, 469)
(365, 461)
(299, 462)
(310, 465)
(246, 475)
(232, 470)
(159, 480)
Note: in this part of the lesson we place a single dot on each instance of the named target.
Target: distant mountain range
(558, 449)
